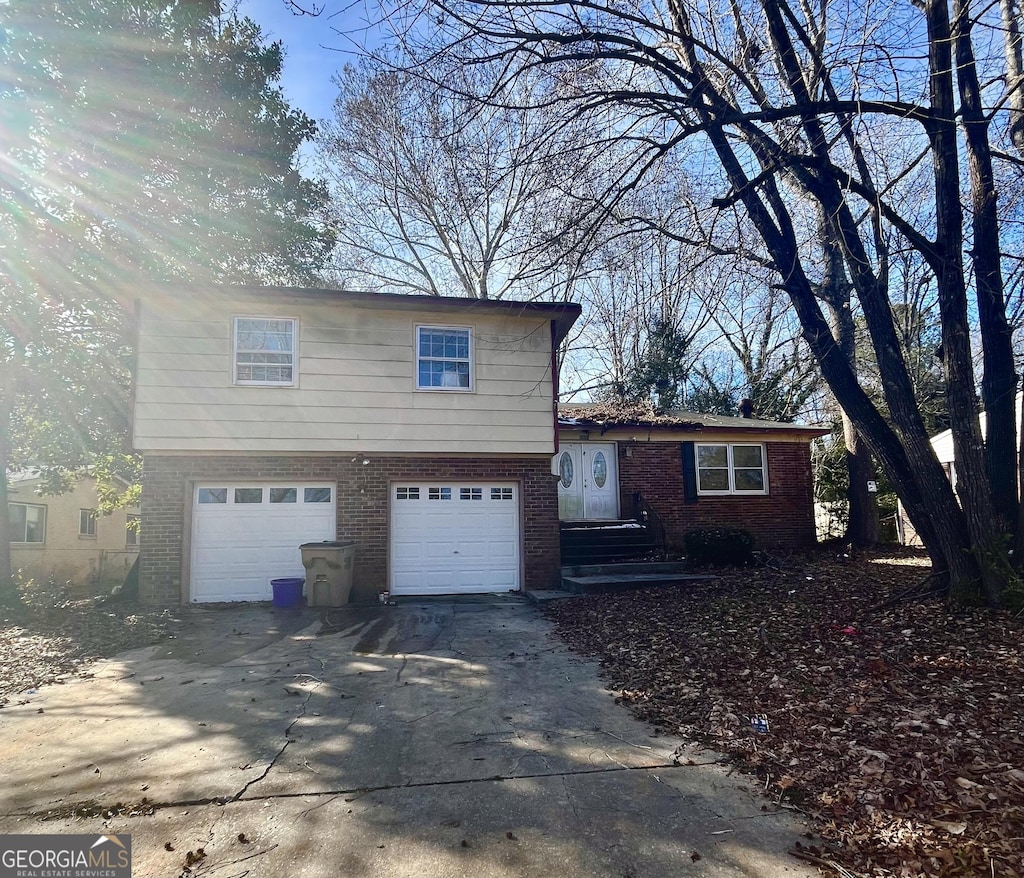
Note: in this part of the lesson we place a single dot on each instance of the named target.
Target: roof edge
(564, 314)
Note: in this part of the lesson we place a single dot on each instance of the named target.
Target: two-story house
(421, 427)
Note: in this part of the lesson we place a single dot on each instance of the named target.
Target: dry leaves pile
(54, 636)
(898, 729)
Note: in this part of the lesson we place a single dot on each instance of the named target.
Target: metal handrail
(647, 516)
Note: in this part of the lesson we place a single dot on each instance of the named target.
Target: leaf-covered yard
(897, 726)
(55, 636)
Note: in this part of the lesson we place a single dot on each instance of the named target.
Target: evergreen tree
(142, 141)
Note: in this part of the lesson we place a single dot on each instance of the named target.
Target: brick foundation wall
(362, 509)
(782, 519)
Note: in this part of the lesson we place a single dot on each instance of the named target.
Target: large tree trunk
(1018, 543)
(999, 379)
(1010, 12)
(958, 539)
(972, 472)
(862, 525)
(903, 450)
(911, 466)
(862, 521)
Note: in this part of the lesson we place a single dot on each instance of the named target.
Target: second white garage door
(454, 538)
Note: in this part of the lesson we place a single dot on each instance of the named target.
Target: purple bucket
(287, 592)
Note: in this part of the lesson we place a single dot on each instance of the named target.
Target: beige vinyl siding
(355, 388)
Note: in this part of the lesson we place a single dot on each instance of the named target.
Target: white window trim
(234, 351)
(416, 358)
(46, 522)
(731, 468)
(85, 515)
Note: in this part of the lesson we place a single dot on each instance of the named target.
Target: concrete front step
(615, 577)
(544, 595)
(622, 581)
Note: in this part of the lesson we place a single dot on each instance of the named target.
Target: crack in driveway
(152, 807)
(288, 739)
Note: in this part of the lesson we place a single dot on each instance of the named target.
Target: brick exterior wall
(362, 509)
(784, 518)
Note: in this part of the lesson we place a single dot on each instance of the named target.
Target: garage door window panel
(283, 495)
(316, 495)
(213, 495)
(248, 495)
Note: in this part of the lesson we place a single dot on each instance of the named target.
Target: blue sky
(315, 47)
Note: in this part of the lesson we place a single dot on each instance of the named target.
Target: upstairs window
(264, 351)
(731, 469)
(443, 358)
(28, 522)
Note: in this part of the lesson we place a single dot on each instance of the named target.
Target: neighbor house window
(731, 469)
(87, 522)
(264, 351)
(28, 522)
(131, 531)
(443, 359)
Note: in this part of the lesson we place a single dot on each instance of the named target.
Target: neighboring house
(693, 470)
(421, 427)
(942, 445)
(62, 536)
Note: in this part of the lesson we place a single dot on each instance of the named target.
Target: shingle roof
(607, 415)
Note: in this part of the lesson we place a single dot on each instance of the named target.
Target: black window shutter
(689, 473)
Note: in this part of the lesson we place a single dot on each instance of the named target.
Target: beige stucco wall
(356, 383)
(103, 560)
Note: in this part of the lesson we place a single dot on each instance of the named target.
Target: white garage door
(245, 534)
(454, 538)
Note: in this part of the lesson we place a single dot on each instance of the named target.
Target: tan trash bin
(328, 572)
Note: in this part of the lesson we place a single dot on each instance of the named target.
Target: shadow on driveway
(437, 737)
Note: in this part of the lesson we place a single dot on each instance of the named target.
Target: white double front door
(588, 484)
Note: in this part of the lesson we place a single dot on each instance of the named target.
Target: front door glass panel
(565, 469)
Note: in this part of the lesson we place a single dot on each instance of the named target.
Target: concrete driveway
(430, 739)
